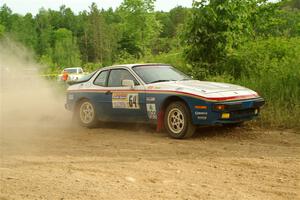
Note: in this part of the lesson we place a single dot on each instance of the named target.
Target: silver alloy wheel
(176, 120)
(86, 112)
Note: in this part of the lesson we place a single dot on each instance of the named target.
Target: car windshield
(155, 74)
(71, 71)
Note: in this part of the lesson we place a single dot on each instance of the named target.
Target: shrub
(271, 67)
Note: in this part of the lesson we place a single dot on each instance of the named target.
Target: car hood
(204, 88)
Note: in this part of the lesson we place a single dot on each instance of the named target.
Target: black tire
(178, 121)
(85, 114)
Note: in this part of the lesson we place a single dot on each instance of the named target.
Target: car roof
(135, 65)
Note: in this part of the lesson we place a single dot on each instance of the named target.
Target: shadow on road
(201, 132)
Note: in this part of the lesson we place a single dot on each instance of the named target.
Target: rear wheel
(178, 121)
(86, 114)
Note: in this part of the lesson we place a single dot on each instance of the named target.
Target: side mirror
(128, 83)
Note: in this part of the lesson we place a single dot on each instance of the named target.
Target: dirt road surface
(118, 161)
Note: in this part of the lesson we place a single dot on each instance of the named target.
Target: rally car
(160, 94)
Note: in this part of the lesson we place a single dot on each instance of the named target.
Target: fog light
(225, 115)
(256, 111)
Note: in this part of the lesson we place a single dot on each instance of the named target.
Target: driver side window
(117, 75)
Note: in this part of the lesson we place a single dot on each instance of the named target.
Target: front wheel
(86, 114)
(178, 121)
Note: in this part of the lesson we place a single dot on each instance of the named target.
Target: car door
(126, 103)
(100, 95)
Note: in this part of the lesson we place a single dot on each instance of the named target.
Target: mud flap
(160, 121)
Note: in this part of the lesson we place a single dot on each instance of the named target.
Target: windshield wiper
(157, 81)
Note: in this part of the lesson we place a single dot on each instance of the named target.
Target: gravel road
(55, 160)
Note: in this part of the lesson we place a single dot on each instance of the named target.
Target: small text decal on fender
(151, 111)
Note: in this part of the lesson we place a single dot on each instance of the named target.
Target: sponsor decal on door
(125, 101)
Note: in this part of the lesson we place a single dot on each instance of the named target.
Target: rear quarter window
(101, 79)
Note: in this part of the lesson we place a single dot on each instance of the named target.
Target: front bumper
(231, 112)
(238, 111)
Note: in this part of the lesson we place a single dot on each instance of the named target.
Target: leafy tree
(178, 16)
(83, 36)
(96, 29)
(277, 19)
(139, 25)
(294, 4)
(97, 36)
(45, 33)
(68, 19)
(172, 23)
(111, 17)
(24, 30)
(215, 29)
(66, 52)
(167, 26)
(6, 16)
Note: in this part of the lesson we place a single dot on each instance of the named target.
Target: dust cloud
(26, 98)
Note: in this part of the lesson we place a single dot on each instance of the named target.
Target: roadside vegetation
(253, 43)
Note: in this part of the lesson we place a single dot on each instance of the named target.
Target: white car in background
(74, 73)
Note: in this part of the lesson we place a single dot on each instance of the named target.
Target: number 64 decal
(125, 101)
(133, 100)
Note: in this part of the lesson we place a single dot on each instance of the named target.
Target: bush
(173, 58)
(271, 67)
(90, 67)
